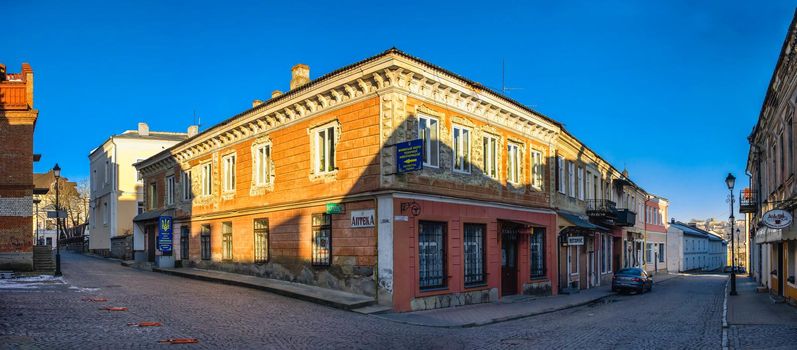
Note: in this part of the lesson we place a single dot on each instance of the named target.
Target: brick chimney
(256, 103)
(193, 130)
(143, 129)
(300, 75)
(2, 72)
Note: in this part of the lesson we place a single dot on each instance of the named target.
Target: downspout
(115, 198)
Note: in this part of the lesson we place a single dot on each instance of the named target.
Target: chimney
(2, 72)
(256, 103)
(193, 130)
(143, 129)
(692, 224)
(276, 93)
(300, 75)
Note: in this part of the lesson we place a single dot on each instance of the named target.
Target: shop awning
(149, 215)
(576, 221)
(525, 224)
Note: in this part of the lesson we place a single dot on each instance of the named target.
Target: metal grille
(431, 255)
(322, 239)
(205, 242)
(474, 254)
(261, 240)
(184, 242)
(537, 252)
(226, 241)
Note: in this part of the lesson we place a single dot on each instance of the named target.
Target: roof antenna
(505, 89)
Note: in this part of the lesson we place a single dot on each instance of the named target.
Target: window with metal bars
(204, 238)
(432, 255)
(184, 242)
(322, 239)
(537, 252)
(261, 240)
(226, 241)
(474, 254)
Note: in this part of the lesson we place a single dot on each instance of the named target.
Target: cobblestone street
(681, 313)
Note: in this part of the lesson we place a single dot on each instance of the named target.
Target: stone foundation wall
(352, 279)
(122, 247)
(537, 288)
(454, 299)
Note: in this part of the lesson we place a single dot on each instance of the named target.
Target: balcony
(625, 217)
(601, 211)
(748, 201)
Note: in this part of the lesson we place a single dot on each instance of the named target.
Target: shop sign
(335, 208)
(362, 218)
(409, 156)
(165, 237)
(777, 218)
(575, 240)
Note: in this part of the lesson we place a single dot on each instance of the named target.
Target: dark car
(632, 279)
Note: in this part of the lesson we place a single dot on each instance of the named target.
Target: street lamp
(36, 202)
(57, 174)
(730, 181)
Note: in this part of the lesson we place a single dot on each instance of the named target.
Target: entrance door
(149, 232)
(509, 261)
(591, 269)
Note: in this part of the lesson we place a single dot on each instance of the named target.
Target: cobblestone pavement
(679, 314)
(757, 322)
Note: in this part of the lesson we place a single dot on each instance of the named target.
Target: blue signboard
(409, 156)
(165, 235)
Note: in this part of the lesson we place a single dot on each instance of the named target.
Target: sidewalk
(757, 321)
(319, 295)
(508, 309)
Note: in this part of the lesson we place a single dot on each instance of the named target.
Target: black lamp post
(731, 181)
(57, 173)
(36, 202)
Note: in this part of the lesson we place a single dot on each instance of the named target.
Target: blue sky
(669, 90)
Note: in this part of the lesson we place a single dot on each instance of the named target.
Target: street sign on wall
(409, 156)
(335, 208)
(165, 235)
(777, 218)
(575, 240)
(56, 214)
(362, 218)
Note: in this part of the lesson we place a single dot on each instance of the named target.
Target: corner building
(305, 187)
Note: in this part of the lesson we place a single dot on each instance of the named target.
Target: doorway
(149, 233)
(780, 269)
(509, 270)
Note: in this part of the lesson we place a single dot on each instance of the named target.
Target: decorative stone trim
(261, 189)
(225, 193)
(326, 176)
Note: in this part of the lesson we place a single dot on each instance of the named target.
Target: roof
(293, 92)
(581, 223)
(153, 135)
(694, 231)
(42, 181)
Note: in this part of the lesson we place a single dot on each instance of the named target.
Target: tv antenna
(504, 88)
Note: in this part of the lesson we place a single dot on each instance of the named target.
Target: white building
(117, 194)
(692, 249)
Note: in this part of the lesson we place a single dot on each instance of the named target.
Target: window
(169, 195)
(261, 240)
(228, 183)
(461, 149)
(661, 252)
(324, 149)
(782, 172)
(186, 181)
(606, 254)
(649, 253)
(184, 242)
(431, 255)
(105, 213)
(490, 157)
(322, 237)
(140, 207)
(94, 180)
(207, 179)
(226, 241)
(573, 259)
(474, 254)
(428, 131)
(789, 146)
(580, 183)
(513, 163)
(262, 165)
(560, 178)
(571, 179)
(536, 169)
(107, 172)
(205, 242)
(537, 252)
(152, 195)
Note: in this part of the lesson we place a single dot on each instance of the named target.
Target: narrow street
(684, 312)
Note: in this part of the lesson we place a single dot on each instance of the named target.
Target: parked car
(739, 269)
(632, 278)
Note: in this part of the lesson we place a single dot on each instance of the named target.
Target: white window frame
(207, 179)
(461, 149)
(326, 146)
(430, 141)
(490, 154)
(513, 163)
(107, 172)
(571, 178)
(186, 185)
(228, 173)
(537, 169)
(580, 180)
(169, 193)
(105, 214)
(560, 163)
(262, 164)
